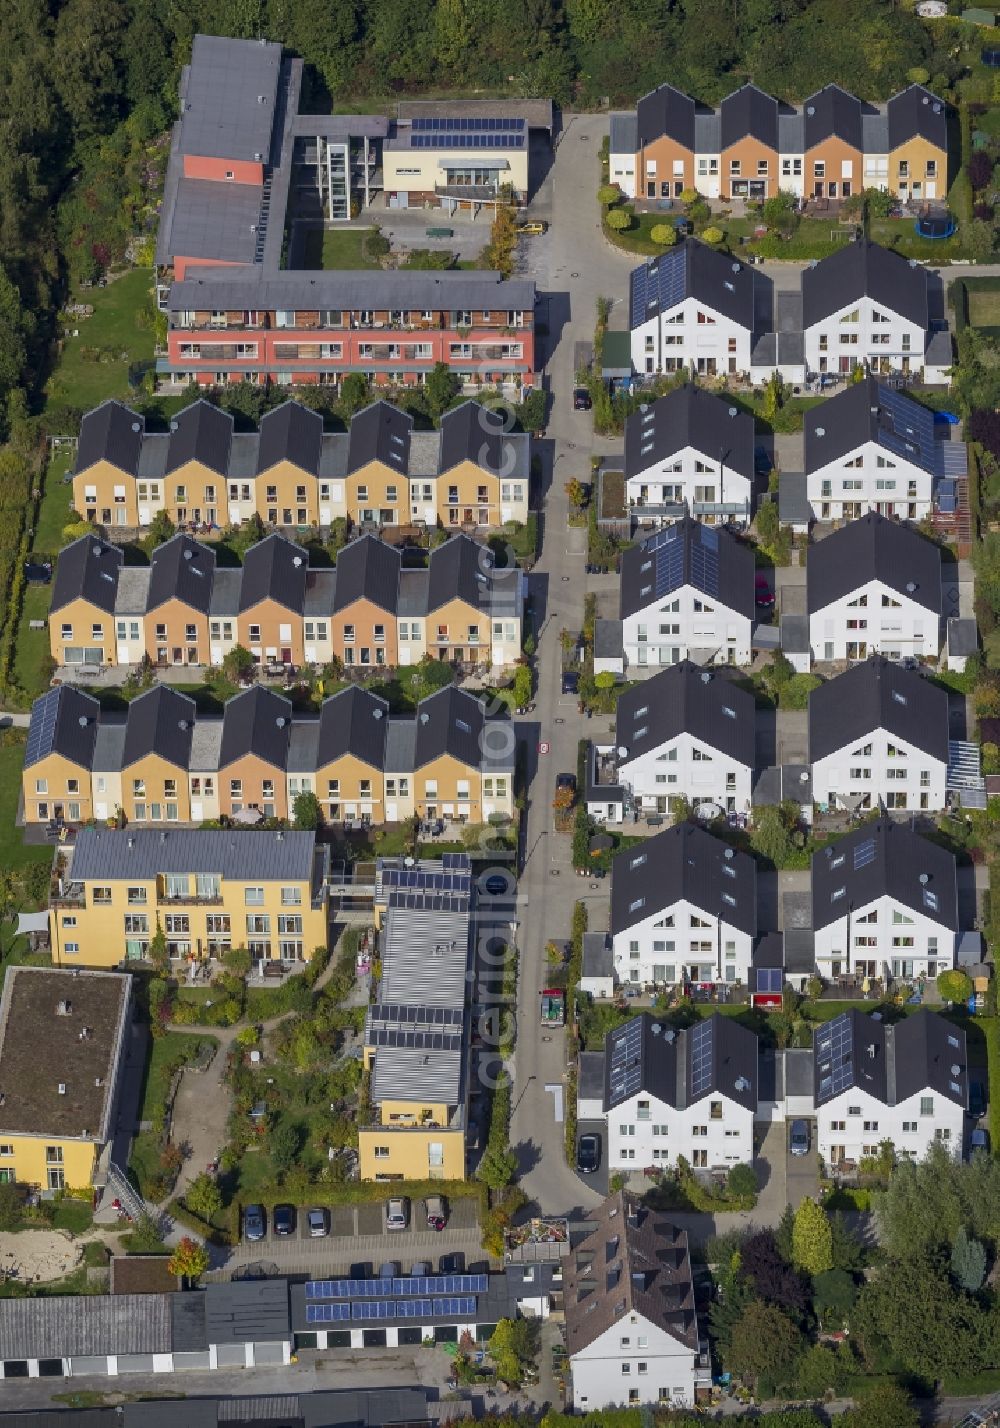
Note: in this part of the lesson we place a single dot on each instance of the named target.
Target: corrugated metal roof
(425, 957)
(67, 1326)
(242, 855)
(409, 1073)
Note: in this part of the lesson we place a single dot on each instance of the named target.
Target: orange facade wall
(199, 166)
(664, 153)
(833, 154)
(749, 153)
(181, 265)
(362, 617)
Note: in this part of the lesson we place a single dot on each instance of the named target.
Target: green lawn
(96, 364)
(13, 852)
(337, 248)
(169, 1052)
(74, 1216)
(984, 307)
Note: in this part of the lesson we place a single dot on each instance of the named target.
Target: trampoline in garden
(935, 225)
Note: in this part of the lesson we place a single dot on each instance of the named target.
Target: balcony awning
(29, 922)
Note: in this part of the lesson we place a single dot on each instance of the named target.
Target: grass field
(114, 331)
(13, 852)
(984, 308)
(337, 248)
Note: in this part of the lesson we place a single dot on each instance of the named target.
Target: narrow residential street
(573, 266)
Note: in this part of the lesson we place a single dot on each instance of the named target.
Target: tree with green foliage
(161, 529)
(767, 524)
(353, 393)
(977, 239)
(741, 1183)
(664, 235)
(510, 1350)
(968, 1261)
(955, 986)
(619, 220)
(812, 1239)
(189, 1260)
(11, 1205)
(521, 687)
(237, 663)
(608, 194)
(712, 235)
(818, 1372)
(795, 694)
(284, 1144)
(532, 410)
(203, 1197)
(910, 1313)
(764, 1344)
(307, 812)
(885, 1406)
(770, 839)
(440, 389)
(780, 213)
(834, 1295)
(157, 953)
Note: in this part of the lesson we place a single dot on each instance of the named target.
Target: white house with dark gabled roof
(689, 453)
(683, 910)
(684, 734)
(879, 732)
(694, 309)
(884, 904)
(906, 1083)
(871, 448)
(686, 592)
(670, 1093)
(874, 587)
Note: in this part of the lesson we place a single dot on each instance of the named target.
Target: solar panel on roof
(864, 854)
(834, 1054)
(625, 1077)
(327, 1313)
(42, 728)
(705, 562)
(769, 979)
(455, 862)
(701, 1058)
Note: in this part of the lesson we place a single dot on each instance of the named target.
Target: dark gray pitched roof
(623, 133)
(201, 433)
(459, 569)
(367, 569)
(646, 1055)
(64, 721)
(684, 699)
(921, 1052)
(689, 416)
(87, 570)
(633, 1262)
(873, 695)
(274, 569)
(749, 111)
(869, 411)
(292, 433)
(223, 115)
(364, 1407)
(160, 722)
(256, 722)
(182, 569)
(865, 269)
(472, 432)
(916, 111)
(874, 548)
(381, 432)
(665, 111)
(833, 113)
(683, 862)
(111, 432)
(354, 722)
(688, 553)
(884, 859)
(449, 722)
(692, 269)
(250, 854)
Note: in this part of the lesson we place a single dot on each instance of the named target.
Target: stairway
(120, 1188)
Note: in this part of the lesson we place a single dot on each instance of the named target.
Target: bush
(955, 986)
(665, 234)
(619, 220)
(608, 194)
(713, 236)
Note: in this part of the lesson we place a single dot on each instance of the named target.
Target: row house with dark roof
(693, 309)
(878, 734)
(873, 448)
(874, 587)
(683, 910)
(162, 764)
(685, 736)
(470, 473)
(884, 905)
(753, 146)
(671, 1093)
(368, 612)
(904, 1082)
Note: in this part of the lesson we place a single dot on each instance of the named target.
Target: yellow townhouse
(207, 889)
(63, 1050)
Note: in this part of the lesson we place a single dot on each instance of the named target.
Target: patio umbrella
(248, 815)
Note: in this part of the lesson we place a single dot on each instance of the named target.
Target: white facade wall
(886, 933)
(874, 619)
(706, 174)
(682, 943)
(687, 765)
(882, 766)
(791, 169)
(869, 479)
(864, 331)
(707, 485)
(694, 336)
(633, 1362)
(685, 623)
(643, 1131)
(852, 1125)
(421, 171)
(621, 170)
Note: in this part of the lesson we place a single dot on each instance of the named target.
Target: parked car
(397, 1213)
(283, 1220)
(581, 400)
(762, 593)
(567, 780)
(453, 1263)
(318, 1221)
(532, 229)
(798, 1138)
(437, 1212)
(977, 1098)
(254, 1222)
(570, 681)
(588, 1154)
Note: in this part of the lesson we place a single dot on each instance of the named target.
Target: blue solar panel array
(418, 879)
(465, 124)
(701, 1058)
(834, 1056)
(668, 550)
(42, 729)
(769, 979)
(705, 560)
(422, 1284)
(456, 862)
(660, 284)
(905, 428)
(327, 1313)
(368, 1310)
(864, 854)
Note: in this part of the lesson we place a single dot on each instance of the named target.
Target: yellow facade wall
(407, 1154)
(377, 487)
(101, 480)
(154, 791)
(82, 625)
(446, 773)
(468, 495)
(916, 154)
(287, 496)
(55, 781)
(34, 1156)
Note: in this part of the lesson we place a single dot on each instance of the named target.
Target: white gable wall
(706, 484)
(869, 479)
(690, 766)
(715, 1132)
(853, 1124)
(685, 623)
(882, 765)
(874, 619)
(864, 331)
(887, 933)
(634, 1361)
(682, 943)
(690, 335)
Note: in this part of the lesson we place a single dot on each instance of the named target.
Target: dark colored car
(762, 593)
(977, 1098)
(581, 399)
(588, 1154)
(570, 681)
(566, 780)
(798, 1138)
(283, 1220)
(254, 1222)
(453, 1263)
(437, 1212)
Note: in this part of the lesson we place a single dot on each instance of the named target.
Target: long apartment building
(370, 611)
(208, 889)
(753, 145)
(242, 307)
(163, 764)
(294, 476)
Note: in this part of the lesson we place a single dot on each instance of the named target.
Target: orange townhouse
(272, 601)
(833, 157)
(181, 576)
(288, 462)
(59, 756)
(156, 755)
(748, 156)
(253, 756)
(376, 484)
(350, 756)
(105, 475)
(82, 612)
(363, 625)
(197, 466)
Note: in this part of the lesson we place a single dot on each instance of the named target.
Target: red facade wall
(243, 171)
